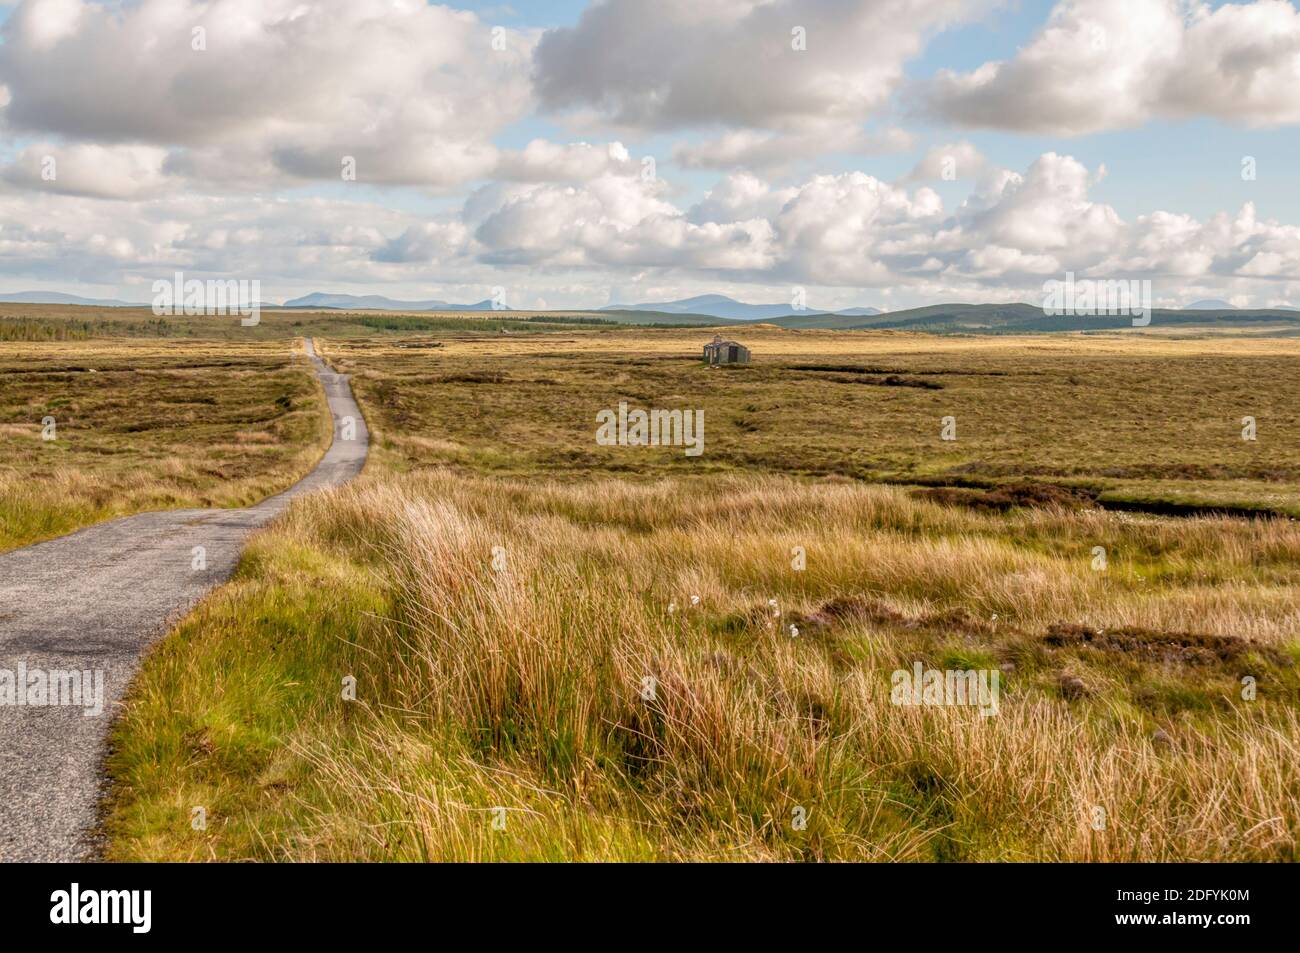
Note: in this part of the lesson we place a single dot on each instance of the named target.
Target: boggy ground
(506, 642)
(1143, 420)
(143, 425)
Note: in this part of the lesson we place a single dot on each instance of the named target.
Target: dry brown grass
(145, 425)
(1141, 419)
(522, 688)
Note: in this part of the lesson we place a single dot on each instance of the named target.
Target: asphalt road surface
(93, 602)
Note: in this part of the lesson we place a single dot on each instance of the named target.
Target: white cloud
(1048, 210)
(111, 172)
(206, 144)
(413, 92)
(740, 196)
(1239, 63)
(852, 229)
(428, 243)
(847, 231)
(543, 161)
(832, 228)
(753, 149)
(615, 220)
(732, 63)
(1113, 64)
(48, 22)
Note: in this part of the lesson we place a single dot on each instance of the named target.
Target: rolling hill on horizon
(721, 311)
(1019, 317)
(58, 297)
(721, 306)
(320, 299)
(958, 318)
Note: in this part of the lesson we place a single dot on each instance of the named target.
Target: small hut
(719, 351)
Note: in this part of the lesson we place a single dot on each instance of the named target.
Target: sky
(574, 154)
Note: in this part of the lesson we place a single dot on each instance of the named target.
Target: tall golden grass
(562, 689)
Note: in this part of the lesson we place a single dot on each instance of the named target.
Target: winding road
(94, 601)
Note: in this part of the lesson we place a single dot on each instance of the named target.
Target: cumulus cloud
(111, 172)
(65, 238)
(853, 229)
(849, 230)
(683, 63)
(207, 133)
(1046, 211)
(412, 92)
(615, 220)
(758, 150)
(428, 243)
(1111, 64)
(543, 161)
(833, 229)
(740, 196)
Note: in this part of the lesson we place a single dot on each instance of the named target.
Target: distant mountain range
(712, 306)
(1015, 318)
(1218, 304)
(56, 297)
(314, 300)
(713, 310)
(720, 306)
(976, 319)
(320, 299)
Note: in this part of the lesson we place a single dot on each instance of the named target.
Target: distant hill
(720, 306)
(318, 299)
(58, 297)
(1013, 318)
(643, 318)
(940, 318)
(1209, 304)
(820, 320)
